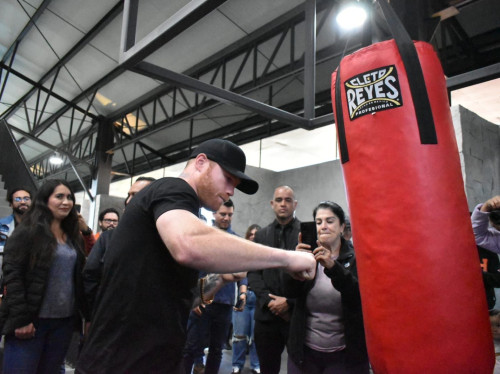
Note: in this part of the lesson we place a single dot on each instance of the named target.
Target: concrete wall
(311, 184)
(479, 147)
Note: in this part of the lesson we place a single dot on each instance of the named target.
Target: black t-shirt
(145, 296)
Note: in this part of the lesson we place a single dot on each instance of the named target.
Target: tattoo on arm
(212, 284)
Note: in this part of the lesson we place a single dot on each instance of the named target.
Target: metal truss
(214, 70)
(215, 81)
(43, 169)
(240, 132)
(213, 78)
(458, 52)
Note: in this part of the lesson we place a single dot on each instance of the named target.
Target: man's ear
(201, 161)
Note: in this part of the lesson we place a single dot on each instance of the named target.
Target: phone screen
(309, 233)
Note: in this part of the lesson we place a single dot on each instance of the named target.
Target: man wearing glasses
(108, 219)
(20, 201)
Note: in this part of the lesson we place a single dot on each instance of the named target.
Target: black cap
(231, 158)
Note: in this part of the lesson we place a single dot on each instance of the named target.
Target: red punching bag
(422, 294)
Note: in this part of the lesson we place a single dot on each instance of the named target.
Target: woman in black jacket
(42, 282)
(326, 329)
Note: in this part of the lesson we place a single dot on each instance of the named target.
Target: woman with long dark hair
(42, 278)
(326, 329)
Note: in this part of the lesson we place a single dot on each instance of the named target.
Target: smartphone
(239, 303)
(309, 233)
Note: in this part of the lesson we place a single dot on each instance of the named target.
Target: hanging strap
(344, 154)
(415, 76)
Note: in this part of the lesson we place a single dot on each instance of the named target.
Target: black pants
(270, 341)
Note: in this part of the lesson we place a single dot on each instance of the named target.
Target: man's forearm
(199, 246)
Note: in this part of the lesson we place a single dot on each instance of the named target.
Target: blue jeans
(243, 324)
(215, 320)
(44, 354)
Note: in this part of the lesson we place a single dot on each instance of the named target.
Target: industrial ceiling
(142, 82)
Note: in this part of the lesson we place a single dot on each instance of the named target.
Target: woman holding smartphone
(326, 328)
(42, 277)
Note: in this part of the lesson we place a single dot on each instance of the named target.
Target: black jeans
(215, 322)
(270, 341)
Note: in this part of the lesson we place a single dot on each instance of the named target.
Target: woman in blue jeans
(243, 323)
(42, 278)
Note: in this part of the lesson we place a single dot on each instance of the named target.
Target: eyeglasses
(110, 220)
(25, 199)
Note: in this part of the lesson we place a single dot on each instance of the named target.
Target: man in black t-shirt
(153, 260)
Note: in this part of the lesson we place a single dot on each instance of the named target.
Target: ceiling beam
(38, 86)
(219, 94)
(176, 29)
(99, 26)
(187, 16)
(473, 77)
(26, 29)
(263, 34)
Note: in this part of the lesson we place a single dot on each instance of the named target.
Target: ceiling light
(56, 159)
(351, 16)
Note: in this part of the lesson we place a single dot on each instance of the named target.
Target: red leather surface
(423, 299)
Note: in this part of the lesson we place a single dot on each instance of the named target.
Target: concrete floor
(226, 363)
(226, 366)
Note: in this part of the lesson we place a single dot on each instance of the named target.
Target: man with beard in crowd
(20, 201)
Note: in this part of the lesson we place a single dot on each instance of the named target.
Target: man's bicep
(176, 228)
(173, 224)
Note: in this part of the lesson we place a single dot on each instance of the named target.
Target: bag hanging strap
(411, 62)
(344, 154)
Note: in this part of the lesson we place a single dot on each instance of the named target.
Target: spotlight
(56, 159)
(351, 16)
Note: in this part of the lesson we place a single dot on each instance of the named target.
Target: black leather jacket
(344, 279)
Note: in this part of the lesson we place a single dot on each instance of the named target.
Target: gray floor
(226, 366)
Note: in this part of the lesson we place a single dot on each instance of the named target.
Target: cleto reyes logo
(373, 91)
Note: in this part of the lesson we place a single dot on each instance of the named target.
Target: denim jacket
(7, 225)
